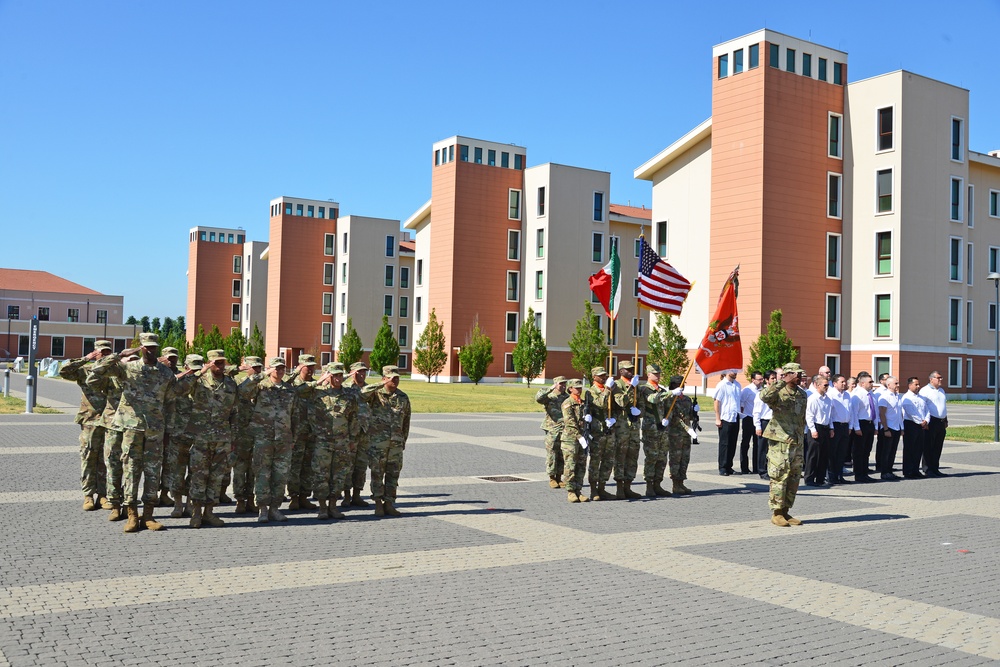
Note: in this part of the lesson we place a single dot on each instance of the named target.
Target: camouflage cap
(274, 362)
(597, 370)
(102, 345)
(792, 367)
(625, 365)
(253, 361)
(390, 374)
(575, 383)
(307, 360)
(215, 355)
(132, 357)
(149, 340)
(334, 368)
(194, 361)
(559, 378)
(171, 352)
(653, 368)
(389, 369)
(358, 366)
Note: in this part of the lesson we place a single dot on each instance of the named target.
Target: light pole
(995, 277)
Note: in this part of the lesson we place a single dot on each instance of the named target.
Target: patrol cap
(389, 369)
(334, 368)
(254, 361)
(597, 370)
(102, 345)
(132, 357)
(307, 360)
(390, 374)
(559, 378)
(575, 383)
(194, 361)
(653, 368)
(171, 352)
(358, 366)
(792, 367)
(149, 340)
(215, 355)
(274, 362)
(625, 365)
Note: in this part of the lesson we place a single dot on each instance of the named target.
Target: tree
(667, 347)
(772, 349)
(144, 322)
(587, 344)
(385, 349)
(254, 346)
(429, 354)
(214, 340)
(235, 347)
(155, 325)
(198, 343)
(529, 353)
(179, 324)
(168, 326)
(351, 347)
(131, 320)
(477, 355)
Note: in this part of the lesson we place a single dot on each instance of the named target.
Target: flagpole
(683, 382)
(611, 351)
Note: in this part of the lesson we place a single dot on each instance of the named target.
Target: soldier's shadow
(857, 518)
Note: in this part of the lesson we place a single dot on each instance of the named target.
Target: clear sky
(124, 124)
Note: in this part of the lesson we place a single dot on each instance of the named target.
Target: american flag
(661, 287)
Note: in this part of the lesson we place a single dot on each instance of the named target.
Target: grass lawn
(980, 433)
(14, 406)
(972, 402)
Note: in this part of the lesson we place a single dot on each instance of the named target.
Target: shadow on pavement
(858, 518)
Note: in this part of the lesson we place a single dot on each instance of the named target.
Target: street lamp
(995, 277)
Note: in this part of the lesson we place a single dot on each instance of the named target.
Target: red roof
(410, 246)
(26, 280)
(631, 211)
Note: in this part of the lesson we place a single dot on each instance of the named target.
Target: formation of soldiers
(608, 422)
(183, 432)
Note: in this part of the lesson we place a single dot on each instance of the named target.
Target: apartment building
(804, 180)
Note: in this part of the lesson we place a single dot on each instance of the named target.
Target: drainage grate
(503, 478)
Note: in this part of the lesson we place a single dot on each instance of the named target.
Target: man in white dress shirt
(761, 416)
(891, 415)
(819, 431)
(727, 416)
(844, 422)
(749, 433)
(866, 412)
(916, 421)
(937, 406)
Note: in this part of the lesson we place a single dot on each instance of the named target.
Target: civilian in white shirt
(825, 372)
(761, 416)
(891, 415)
(916, 422)
(881, 386)
(819, 431)
(937, 406)
(863, 404)
(749, 433)
(844, 422)
(727, 419)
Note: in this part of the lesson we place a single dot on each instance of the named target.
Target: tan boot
(660, 491)
(603, 492)
(262, 514)
(390, 508)
(304, 502)
(148, 522)
(573, 497)
(595, 491)
(293, 503)
(178, 511)
(357, 500)
(792, 521)
(379, 507)
(553, 483)
(678, 488)
(196, 515)
(274, 515)
(650, 490)
(251, 507)
(324, 513)
(619, 490)
(779, 519)
(132, 525)
(88, 504)
(208, 516)
(583, 498)
(346, 502)
(629, 493)
(104, 503)
(116, 513)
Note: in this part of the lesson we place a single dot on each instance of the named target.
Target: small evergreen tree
(168, 326)
(144, 323)
(198, 345)
(214, 340)
(179, 324)
(477, 355)
(131, 320)
(154, 325)
(772, 349)
(667, 347)
(530, 352)
(235, 347)
(254, 346)
(385, 349)
(351, 347)
(587, 345)
(429, 355)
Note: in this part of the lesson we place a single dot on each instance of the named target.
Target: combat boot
(660, 491)
(379, 507)
(603, 492)
(208, 516)
(650, 490)
(116, 513)
(196, 515)
(583, 498)
(619, 490)
(294, 503)
(178, 511)
(357, 500)
(595, 492)
(573, 497)
(104, 503)
(629, 493)
(792, 521)
(241, 506)
(164, 500)
(224, 499)
(324, 513)
(148, 522)
(679, 488)
(346, 502)
(274, 515)
(88, 504)
(553, 483)
(335, 513)
(132, 525)
(779, 519)
(390, 509)
(262, 514)
(304, 502)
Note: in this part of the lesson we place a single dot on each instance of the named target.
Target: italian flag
(605, 284)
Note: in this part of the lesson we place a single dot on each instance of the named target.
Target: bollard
(29, 395)
(6, 383)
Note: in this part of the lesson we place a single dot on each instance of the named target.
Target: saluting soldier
(626, 409)
(271, 429)
(389, 428)
(300, 472)
(358, 447)
(654, 436)
(333, 419)
(785, 433)
(178, 458)
(169, 359)
(242, 458)
(598, 407)
(552, 399)
(575, 443)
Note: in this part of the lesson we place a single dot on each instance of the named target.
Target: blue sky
(123, 124)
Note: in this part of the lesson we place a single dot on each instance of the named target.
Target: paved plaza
(482, 572)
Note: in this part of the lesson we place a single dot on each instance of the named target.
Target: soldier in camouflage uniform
(654, 437)
(387, 432)
(169, 359)
(552, 400)
(145, 386)
(785, 434)
(358, 447)
(213, 418)
(683, 416)
(271, 430)
(93, 470)
(626, 409)
(111, 389)
(603, 434)
(333, 415)
(175, 475)
(574, 441)
(300, 473)
(243, 477)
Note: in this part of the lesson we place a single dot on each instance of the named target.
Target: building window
(838, 73)
(955, 259)
(773, 56)
(991, 373)
(298, 210)
(821, 75)
(437, 157)
(883, 253)
(836, 122)
(451, 153)
(322, 212)
(955, 320)
(883, 315)
(513, 243)
(416, 310)
(508, 363)
(538, 320)
(24, 346)
(328, 274)
(288, 208)
(598, 207)
(404, 306)
(954, 372)
(327, 333)
(343, 329)
(237, 263)
(833, 192)
(971, 205)
(512, 285)
(518, 161)
(968, 264)
(211, 236)
(881, 365)
(968, 373)
(511, 331)
(833, 316)
(387, 305)
(968, 321)
(237, 288)
(404, 277)
(246, 314)
(883, 187)
(723, 65)
(325, 358)
(737, 61)
(310, 212)
(463, 153)
(14, 313)
(390, 246)
(540, 243)
(991, 317)
(637, 327)
(343, 273)
(390, 274)
(754, 54)
(635, 288)
(956, 199)
(806, 65)
(514, 208)
(58, 346)
(491, 157)
(832, 361)
(102, 317)
(479, 155)
(329, 244)
(790, 60)
(420, 272)
(343, 303)
(202, 236)
(597, 245)
(833, 242)
(236, 312)
(43, 314)
(994, 204)
(957, 140)
(885, 129)
(72, 314)
(403, 335)
(661, 238)
(505, 159)
(328, 303)
(541, 202)
(402, 361)
(539, 284)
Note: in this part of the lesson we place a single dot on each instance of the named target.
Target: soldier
(333, 416)
(176, 475)
(785, 432)
(213, 418)
(574, 441)
(145, 385)
(271, 430)
(169, 359)
(93, 470)
(358, 447)
(243, 478)
(603, 435)
(654, 437)
(388, 431)
(625, 409)
(552, 400)
(305, 440)
(111, 389)
(681, 422)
